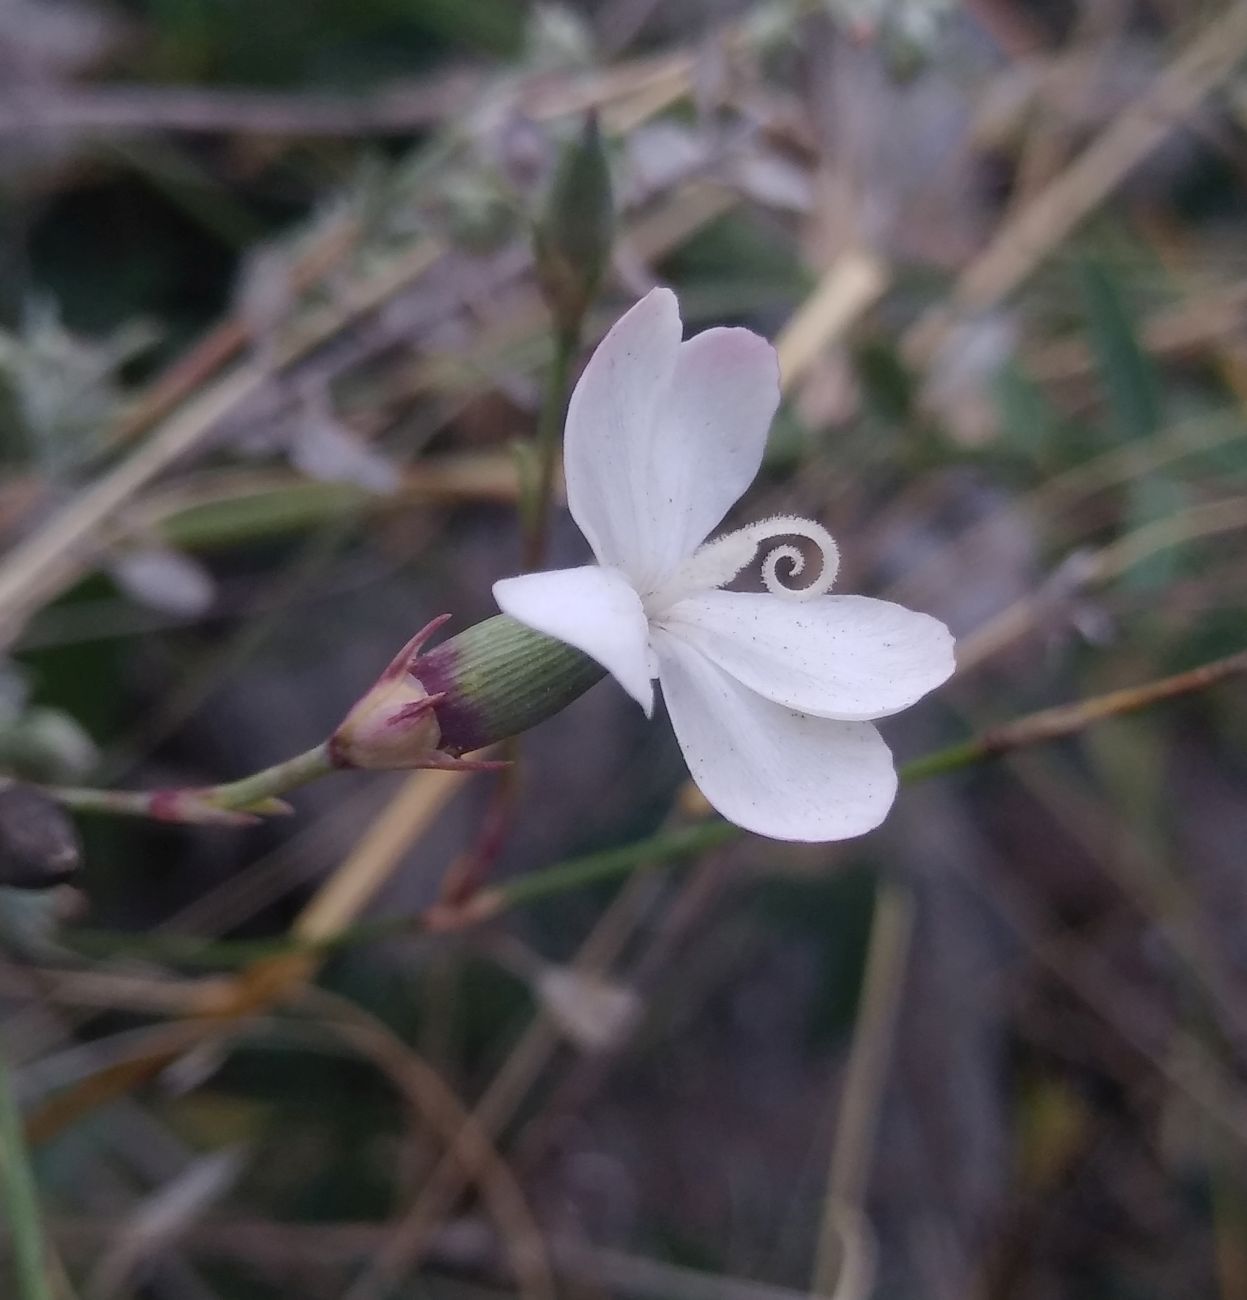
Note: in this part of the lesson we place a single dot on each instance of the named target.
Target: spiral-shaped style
(716, 563)
(761, 533)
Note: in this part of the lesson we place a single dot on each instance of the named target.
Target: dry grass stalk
(1025, 240)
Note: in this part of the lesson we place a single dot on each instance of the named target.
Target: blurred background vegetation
(271, 357)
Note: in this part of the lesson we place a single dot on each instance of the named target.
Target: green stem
(669, 846)
(575, 873)
(232, 801)
(610, 864)
(1066, 720)
(549, 426)
(942, 761)
(282, 777)
(21, 1203)
(236, 800)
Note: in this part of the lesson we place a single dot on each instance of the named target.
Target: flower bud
(573, 237)
(499, 678)
(490, 682)
(393, 725)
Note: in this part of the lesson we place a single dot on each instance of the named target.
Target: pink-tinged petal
(846, 657)
(594, 609)
(608, 446)
(786, 775)
(709, 441)
(663, 437)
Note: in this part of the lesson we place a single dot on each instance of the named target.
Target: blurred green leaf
(284, 42)
(1030, 424)
(1151, 499)
(265, 512)
(738, 250)
(1131, 383)
(887, 382)
(86, 680)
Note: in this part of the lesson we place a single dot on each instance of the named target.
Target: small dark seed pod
(38, 843)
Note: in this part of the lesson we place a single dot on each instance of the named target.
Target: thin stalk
(599, 868)
(684, 844)
(1068, 719)
(279, 779)
(549, 426)
(261, 791)
(21, 1204)
(232, 802)
(469, 872)
(563, 877)
(845, 1257)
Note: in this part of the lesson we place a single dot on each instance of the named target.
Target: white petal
(663, 437)
(786, 775)
(608, 445)
(709, 441)
(846, 657)
(594, 609)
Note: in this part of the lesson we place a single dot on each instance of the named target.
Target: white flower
(770, 693)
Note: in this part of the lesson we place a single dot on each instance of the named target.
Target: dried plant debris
(59, 391)
(279, 385)
(39, 846)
